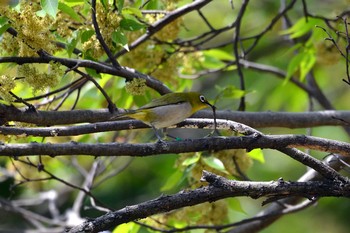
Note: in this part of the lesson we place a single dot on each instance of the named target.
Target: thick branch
(278, 142)
(277, 209)
(253, 119)
(218, 188)
(284, 144)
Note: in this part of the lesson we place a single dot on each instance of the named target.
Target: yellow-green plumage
(169, 109)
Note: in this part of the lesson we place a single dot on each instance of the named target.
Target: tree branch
(219, 188)
(253, 119)
(283, 143)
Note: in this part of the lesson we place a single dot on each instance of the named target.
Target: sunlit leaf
(307, 63)
(191, 160)
(71, 45)
(212, 63)
(50, 7)
(4, 28)
(74, 1)
(219, 54)
(231, 67)
(257, 154)
(86, 35)
(132, 11)
(231, 92)
(104, 3)
(129, 227)
(131, 24)
(302, 27)
(215, 163)
(235, 205)
(293, 65)
(152, 4)
(138, 3)
(172, 181)
(3, 20)
(303, 62)
(93, 73)
(69, 11)
(119, 38)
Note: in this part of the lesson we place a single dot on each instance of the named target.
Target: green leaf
(219, 54)
(86, 35)
(235, 205)
(72, 3)
(131, 24)
(191, 160)
(93, 73)
(215, 59)
(211, 62)
(231, 92)
(294, 48)
(3, 20)
(215, 163)
(301, 27)
(129, 227)
(257, 154)
(71, 46)
(308, 61)
(153, 5)
(293, 65)
(172, 181)
(119, 38)
(42, 13)
(104, 3)
(50, 7)
(4, 28)
(303, 61)
(138, 3)
(69, 11)
(120, 5)
(132, 11)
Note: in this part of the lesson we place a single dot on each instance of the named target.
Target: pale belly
(171, 114)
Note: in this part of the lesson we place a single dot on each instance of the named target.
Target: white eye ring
(202, 99)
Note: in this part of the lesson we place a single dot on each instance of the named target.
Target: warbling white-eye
(169, 109)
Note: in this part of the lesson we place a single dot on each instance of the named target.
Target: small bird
(169, 109)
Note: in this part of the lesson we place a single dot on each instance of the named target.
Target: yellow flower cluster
(137, 86)
(144, 58)
(170, 31)
(190, 61)
(152, 58)
(238, 156)
(108, 21)
(33, 32)
(213, 213)
(152, 18)
(7, 84)
(62, 24)
(40, 81)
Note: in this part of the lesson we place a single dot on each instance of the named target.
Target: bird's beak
(214, 114)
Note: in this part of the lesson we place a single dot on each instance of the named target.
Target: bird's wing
(164, 100)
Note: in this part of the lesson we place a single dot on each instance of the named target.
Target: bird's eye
(202, 99)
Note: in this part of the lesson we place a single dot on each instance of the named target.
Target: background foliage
(252, 56)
